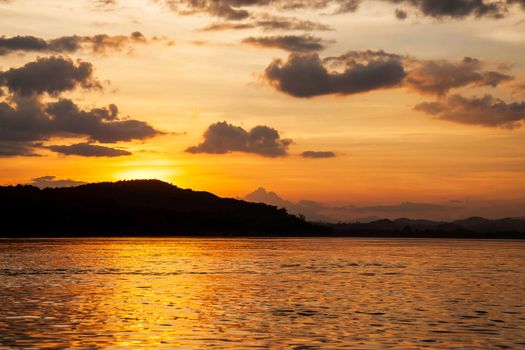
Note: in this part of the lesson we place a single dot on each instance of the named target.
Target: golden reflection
(266, 293)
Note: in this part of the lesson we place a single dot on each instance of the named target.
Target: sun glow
(162, 174)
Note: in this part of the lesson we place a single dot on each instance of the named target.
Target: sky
(358, 108)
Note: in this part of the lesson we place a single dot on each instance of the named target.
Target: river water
(189, 293)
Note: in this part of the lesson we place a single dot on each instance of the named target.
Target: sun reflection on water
(231, 294)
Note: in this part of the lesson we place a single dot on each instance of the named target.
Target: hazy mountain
(310, 209)
(447, 210)
(53, 181)
(478, 224)
(366, 220)
(474, 227)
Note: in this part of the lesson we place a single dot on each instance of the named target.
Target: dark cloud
(293, 43)
(457, 8)
(438, 77)
(223, 138)
(242, 9)
(227, 9)
(485, 111)
(14, 148)
(21, 43)
(104, 4)
(228, 26)
(236, 10)
(318, 154)
(361, 57)
(304, 75)
(270, 23)
(307, 75)
(89, 150)
(98, 44)
(401, 14)
(50, 74)
(52, 181)
(99, 124)
(26, 121)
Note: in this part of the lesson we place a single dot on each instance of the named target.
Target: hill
(138, 207)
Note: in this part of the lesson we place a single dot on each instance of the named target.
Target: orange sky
(187, 79)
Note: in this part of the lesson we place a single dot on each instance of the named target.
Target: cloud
(104, 4)
(98, 44)
(457, 8)
(305, 75)
(438, 77)
(222, 138)
(27, 121)
(353, 57)
(270, 23)
(293, 43)
(15, 148)
(318, 154)
(462, 8)
(100, 124)
(236, 10)
(485, 111)
(51, 75)
(401, 14)
(228, 26)
(52, 181)
(89, 150)
(227, 9)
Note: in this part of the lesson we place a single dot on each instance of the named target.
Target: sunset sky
(389, 107)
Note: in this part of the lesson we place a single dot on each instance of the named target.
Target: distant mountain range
(156, 208)
(474, 227)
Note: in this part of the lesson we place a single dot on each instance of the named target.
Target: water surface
(339, 293)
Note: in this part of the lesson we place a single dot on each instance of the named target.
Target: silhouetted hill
(475, 227)
(140, 207)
